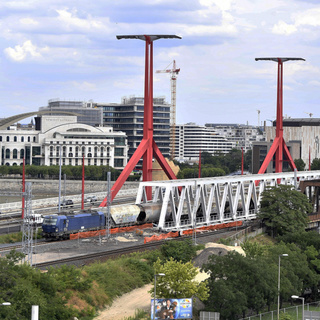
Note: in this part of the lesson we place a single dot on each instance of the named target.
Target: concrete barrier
(52, 202)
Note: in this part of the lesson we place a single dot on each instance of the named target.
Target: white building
(241, 135)
(190, 138)
(41, 144)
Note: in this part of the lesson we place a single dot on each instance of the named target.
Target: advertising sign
(171, 309)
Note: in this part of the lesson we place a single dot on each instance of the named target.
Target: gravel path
(127, 304)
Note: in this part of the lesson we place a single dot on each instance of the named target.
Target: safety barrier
(161, 236)
(190, 231)
(213, 227)
(52, 202)
(90, 234)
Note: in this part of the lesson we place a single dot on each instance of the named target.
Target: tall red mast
(278, 146)
(147, 148)
(82, 193)
(23, 186)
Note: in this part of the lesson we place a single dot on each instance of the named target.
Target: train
(60, 226)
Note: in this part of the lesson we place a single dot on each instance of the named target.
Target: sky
(67, 49)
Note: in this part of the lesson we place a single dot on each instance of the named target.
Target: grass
(138, 315)
(11, 238)
(17, 236)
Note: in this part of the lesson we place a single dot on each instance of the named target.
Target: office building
(127, 117)
(302, 137)
(86, 112)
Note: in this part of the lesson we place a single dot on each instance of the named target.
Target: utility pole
(27, 226)
(108, 217)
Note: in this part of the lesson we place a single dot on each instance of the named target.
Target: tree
(183, 251)
(25, 286)
(253, 249)
(284, 210)
(296, 274)
(178, 281)
(248, 160)
(315, 165)
(242, 277)
(300, 164)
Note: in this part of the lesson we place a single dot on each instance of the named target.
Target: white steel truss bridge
(193, 203)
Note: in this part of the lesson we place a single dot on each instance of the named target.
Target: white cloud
(70, 19)
(85, 86)
(28, 21)
(283, 28)
(223, 5)
(309, 17)
(17, 108)
(20, 53)
(314, 83)
(300, 67)
(305, 18)
(18, 4)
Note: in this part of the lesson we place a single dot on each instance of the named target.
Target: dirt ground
(126, 305)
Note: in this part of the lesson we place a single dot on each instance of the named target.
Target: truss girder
(210, 201)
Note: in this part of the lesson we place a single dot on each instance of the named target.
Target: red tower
(278, 146)
(147, 148)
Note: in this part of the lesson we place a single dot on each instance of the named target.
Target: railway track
(84, 259)
(13, 246)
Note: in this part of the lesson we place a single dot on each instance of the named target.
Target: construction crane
(258, 117)
(174, 72)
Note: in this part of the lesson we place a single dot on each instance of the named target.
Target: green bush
(183, 250)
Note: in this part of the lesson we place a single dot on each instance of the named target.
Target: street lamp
(154, 297)
(297, 297)
(278, 309)
(5, 304)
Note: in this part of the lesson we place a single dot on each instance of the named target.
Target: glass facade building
(86, 112)
(127, 117)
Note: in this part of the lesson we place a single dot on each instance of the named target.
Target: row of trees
(72, 172)
(211, 166)
(216, 165)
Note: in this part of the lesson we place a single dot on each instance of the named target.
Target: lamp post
(297, 297)
(278, 309)
(154, 297)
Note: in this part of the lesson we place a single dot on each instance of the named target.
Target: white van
(35, 219)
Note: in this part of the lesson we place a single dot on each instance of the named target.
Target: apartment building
(190, 138)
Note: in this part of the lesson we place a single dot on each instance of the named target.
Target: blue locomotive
(56, 226)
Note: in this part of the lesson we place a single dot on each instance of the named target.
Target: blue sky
(68, 50)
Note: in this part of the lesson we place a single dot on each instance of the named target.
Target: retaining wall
(51, 187)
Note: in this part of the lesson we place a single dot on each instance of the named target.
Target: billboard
(171, 309)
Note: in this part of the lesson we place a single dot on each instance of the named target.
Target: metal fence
(206, 315)
(295, 312)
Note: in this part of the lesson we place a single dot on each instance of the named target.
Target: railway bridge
(193, 203)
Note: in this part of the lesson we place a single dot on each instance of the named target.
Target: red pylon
(147, 148)
(278, 146)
